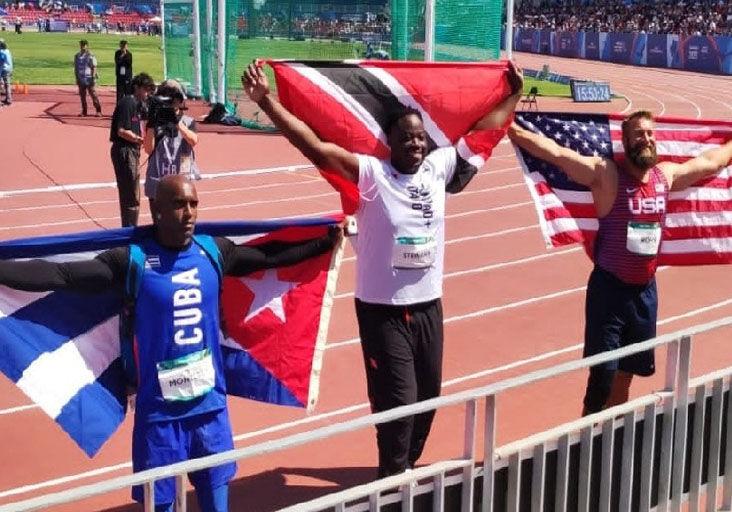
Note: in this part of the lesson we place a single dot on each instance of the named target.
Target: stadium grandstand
(54, 15)
(708, 18)
(348, 18)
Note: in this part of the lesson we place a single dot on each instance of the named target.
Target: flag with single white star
(62, 348)
(275, 325)
(698, 226)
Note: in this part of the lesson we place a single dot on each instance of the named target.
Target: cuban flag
(62, 348)
(348, 104)
(698, 226)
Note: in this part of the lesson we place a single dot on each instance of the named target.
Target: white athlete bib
(122, 70)
(187, 377)
(414, 252)
(644, 238)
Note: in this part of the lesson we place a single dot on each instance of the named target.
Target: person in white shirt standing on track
(400, 251)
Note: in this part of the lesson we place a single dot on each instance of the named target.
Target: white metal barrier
(652, 472)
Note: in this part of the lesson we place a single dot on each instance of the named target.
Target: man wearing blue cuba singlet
(181, 408)
(622, 304)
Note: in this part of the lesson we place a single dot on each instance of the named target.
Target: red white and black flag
(348, 103)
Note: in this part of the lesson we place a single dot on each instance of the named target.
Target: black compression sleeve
(97, 274)
(239, 260)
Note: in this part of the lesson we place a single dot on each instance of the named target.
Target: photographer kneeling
(169, 137)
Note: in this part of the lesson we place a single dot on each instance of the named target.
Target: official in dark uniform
(123, 70)
(126, 137)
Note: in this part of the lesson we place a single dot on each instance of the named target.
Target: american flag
(698, 227)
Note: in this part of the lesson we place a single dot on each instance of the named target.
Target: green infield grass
(47, 58)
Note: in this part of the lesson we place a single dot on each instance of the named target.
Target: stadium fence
(208, 43)
(691, 52)
(651, 454)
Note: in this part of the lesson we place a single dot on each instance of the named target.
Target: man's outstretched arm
(703, 166)
(241, 260)
(323, 155)
(97, 274)
(497, 118)
(590, 171)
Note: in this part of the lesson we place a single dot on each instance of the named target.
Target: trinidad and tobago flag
(348, 103)
(62, 348)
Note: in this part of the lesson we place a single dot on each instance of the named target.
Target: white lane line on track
(492, 266)
(652, 98)
(200, 193)
(113, 184)
(88, 186)
(350, 409)
(713, 100)
(66, 479)
(492, 234)
(684, 98)
(250, 203)
(19, 408)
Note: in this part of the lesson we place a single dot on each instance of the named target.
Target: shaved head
(175, 210)
(172, 184)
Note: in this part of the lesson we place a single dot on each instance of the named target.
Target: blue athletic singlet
(177, 335)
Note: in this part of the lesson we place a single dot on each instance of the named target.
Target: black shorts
(618, 314)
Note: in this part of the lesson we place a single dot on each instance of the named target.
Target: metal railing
(661, 478)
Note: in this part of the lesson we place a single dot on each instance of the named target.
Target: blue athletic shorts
(618, 314)
(161, 443)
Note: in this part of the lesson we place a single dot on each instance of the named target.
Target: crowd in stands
(669, 17)
(312, 26)
(81, 16)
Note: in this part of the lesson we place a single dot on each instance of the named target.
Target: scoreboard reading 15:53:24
(585, 91)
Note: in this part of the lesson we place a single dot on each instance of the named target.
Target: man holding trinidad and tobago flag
(395, 108)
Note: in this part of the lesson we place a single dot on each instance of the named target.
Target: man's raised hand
(515, 78)
(255, 82)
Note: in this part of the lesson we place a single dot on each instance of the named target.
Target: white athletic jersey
(401, 229)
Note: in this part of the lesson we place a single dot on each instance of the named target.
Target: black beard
(643, 162)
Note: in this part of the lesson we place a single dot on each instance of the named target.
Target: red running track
(508, 300)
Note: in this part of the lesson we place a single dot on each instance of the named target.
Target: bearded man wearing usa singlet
(630, 200)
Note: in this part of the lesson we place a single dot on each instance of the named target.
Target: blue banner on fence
(699, 53)
(618, 48)
(567, 44)
(527, 40)
(545, 41)
(725, 48)
(708, 54)
(592, 45)
(657, 51)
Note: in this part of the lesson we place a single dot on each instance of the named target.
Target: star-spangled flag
(62, 348)
(698, 227)
(348, 103)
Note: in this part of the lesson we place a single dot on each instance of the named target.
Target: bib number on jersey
(122, 70)
(187, 377)
(644, 238)
(413, 252)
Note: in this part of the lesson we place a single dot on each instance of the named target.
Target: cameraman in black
(126, 137)
(170, 137)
